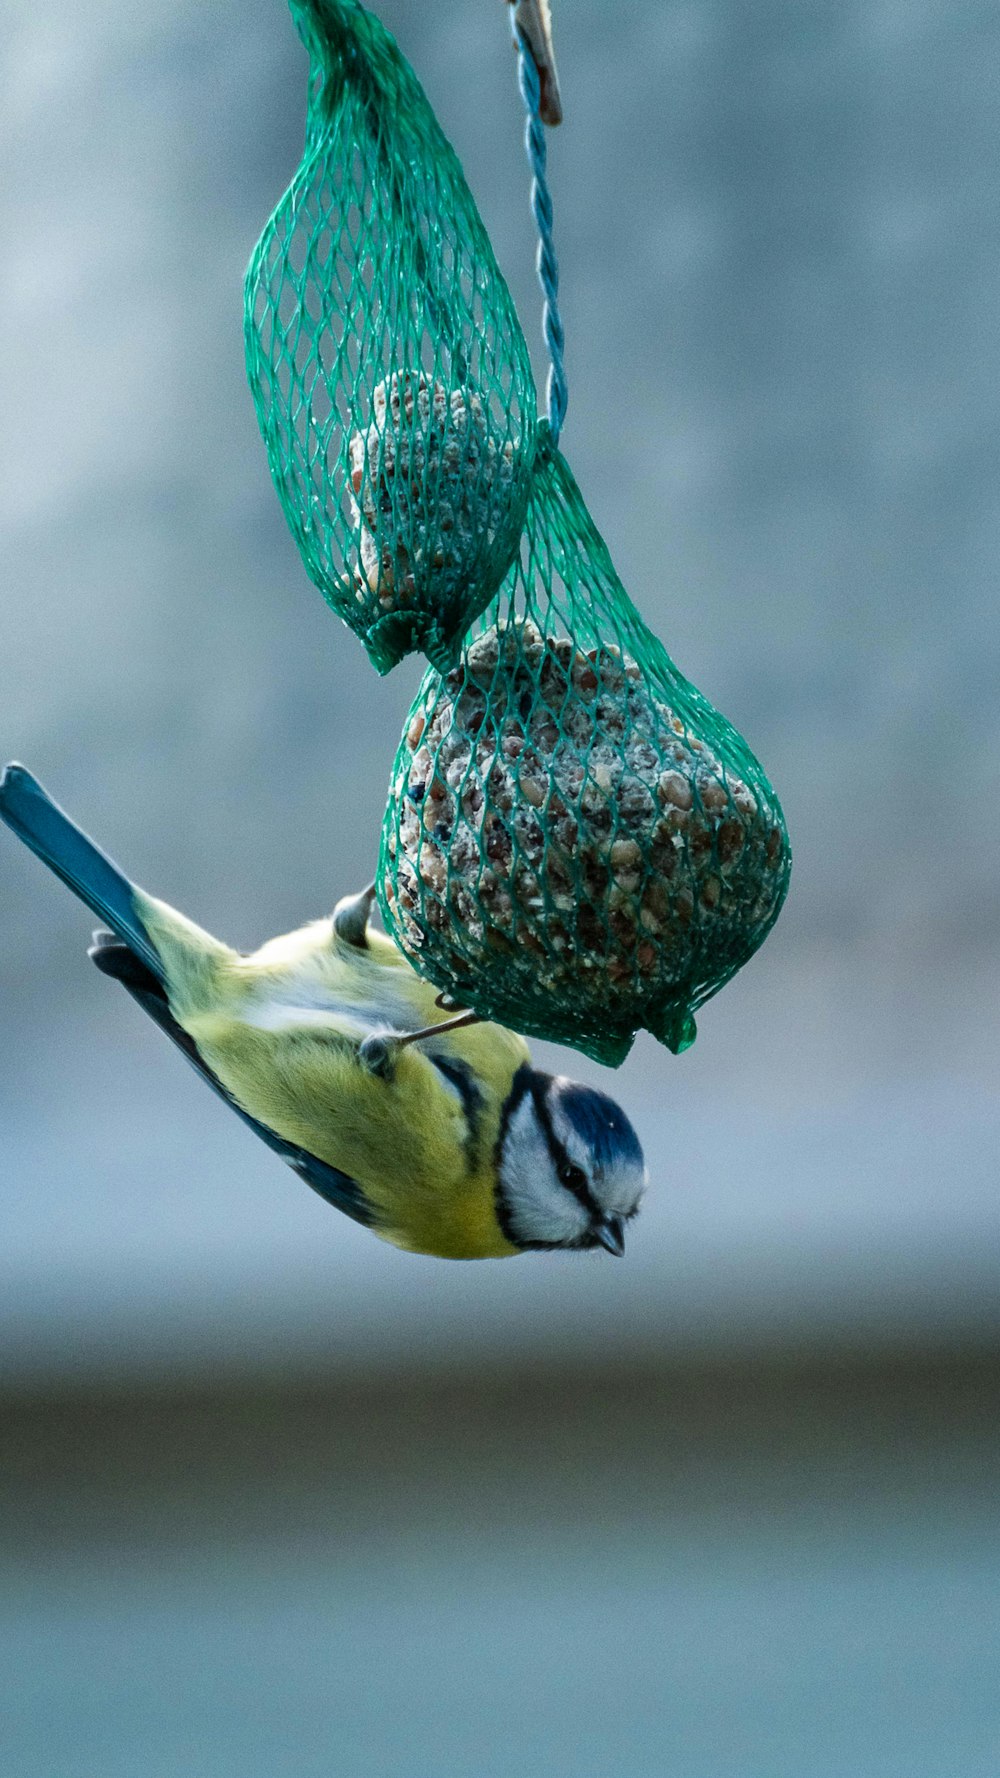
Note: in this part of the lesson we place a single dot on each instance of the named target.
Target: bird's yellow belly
(403, 1141)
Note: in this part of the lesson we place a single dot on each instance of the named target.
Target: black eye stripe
(571, 1177)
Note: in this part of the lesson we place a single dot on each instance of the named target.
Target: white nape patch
(292, 1008)
(538, 1208)
(278, 1015)
(356, 1021)
(300, 993)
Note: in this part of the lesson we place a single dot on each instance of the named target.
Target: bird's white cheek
(620, 1194)
(538, 1207)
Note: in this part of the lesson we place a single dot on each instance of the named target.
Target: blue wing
(339, 1189)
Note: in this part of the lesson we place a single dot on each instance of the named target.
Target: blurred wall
(705, 1573)
(778, 232)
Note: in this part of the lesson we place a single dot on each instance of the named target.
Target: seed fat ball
(433, 490)
(554, 818)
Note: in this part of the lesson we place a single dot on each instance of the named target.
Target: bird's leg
(351, 917)
(378, 1053)
(456, 1024)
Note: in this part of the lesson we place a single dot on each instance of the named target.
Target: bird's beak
(610, 1231)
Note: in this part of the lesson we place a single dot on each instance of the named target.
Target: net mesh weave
(389, 372)
(576, 842)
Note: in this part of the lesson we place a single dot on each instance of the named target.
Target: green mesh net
(576, 843)
(390, 375)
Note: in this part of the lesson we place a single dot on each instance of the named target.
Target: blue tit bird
(432, 1130)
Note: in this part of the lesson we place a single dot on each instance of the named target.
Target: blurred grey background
(279, 1499)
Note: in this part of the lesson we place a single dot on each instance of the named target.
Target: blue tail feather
(30, 812)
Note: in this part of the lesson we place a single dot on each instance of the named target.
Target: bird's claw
(378, 1055)
(351, 916)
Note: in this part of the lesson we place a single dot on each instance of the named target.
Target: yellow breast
(281, 1031)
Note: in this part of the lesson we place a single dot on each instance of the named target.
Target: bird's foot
(351, 917)
(378, 1053)
(448, 1004)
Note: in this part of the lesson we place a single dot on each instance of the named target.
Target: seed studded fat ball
(557, 821)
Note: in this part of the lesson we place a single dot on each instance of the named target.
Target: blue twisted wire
(557, 391)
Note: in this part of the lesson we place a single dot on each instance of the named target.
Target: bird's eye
(573, 1178)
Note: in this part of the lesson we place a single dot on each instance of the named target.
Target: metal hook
(533, 20)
